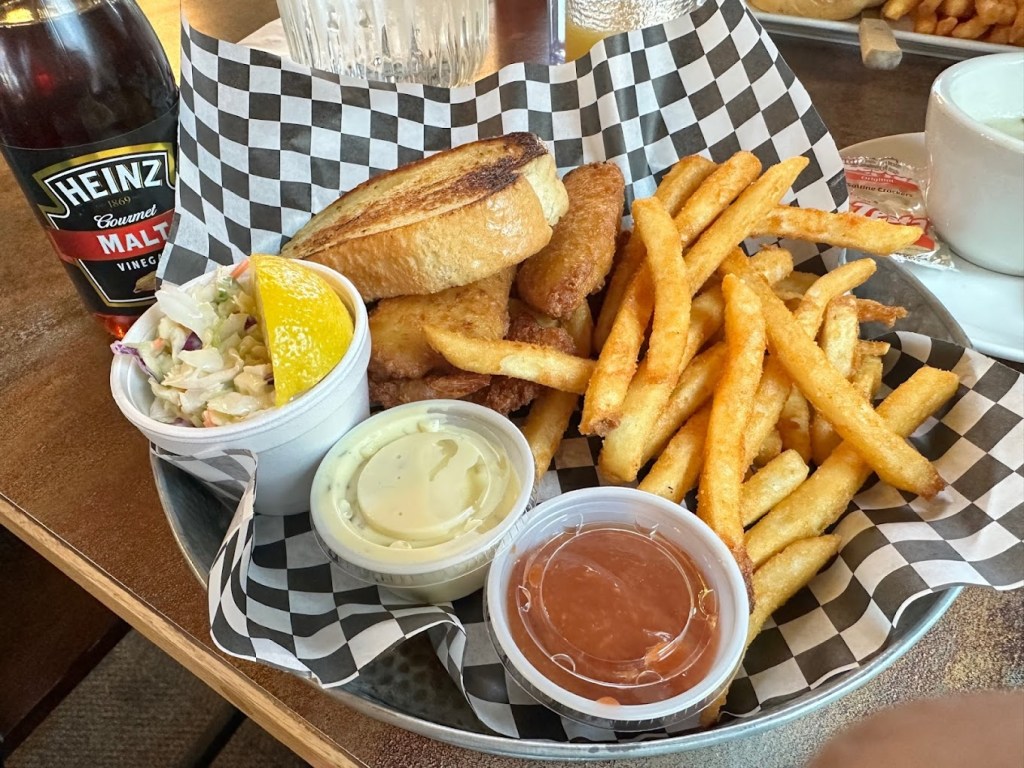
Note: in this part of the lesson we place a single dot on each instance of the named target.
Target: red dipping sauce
(614, 613)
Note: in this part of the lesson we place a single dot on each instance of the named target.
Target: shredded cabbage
(226, 376)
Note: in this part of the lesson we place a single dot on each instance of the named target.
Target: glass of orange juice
(587, 21)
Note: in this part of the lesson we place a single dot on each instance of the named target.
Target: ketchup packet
(889, 189)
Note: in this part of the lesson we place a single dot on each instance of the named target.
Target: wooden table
(76, 484)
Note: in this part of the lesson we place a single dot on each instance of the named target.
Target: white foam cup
(289, 441)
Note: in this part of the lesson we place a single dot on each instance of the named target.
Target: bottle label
(107, 208)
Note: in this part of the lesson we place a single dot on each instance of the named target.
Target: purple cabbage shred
(120, 348)
(192, 342)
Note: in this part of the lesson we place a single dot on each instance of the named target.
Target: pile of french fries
(993, 21)
(736, 375)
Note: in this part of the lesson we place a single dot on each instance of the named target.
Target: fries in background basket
(994, 21)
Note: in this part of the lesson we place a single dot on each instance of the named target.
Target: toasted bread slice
(447, 220)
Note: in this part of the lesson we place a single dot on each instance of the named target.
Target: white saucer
(988, 305)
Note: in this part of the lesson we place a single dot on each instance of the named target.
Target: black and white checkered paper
(265, 142)
(275, 597)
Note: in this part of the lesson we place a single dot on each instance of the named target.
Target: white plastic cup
(289, 441)
(630, 507)
(975, 194)
(442, 579)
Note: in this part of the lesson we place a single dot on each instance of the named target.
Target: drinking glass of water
(436, 42)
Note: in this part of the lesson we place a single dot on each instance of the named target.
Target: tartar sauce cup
(418, 498)
(288, 441)
(697, 658)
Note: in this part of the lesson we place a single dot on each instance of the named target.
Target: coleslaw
(209, 364)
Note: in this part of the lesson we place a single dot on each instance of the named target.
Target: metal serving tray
(847, 33)
(410, 689)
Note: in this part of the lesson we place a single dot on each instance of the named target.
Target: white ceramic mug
(975, 193)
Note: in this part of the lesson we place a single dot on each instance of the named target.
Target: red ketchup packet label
(888, 189)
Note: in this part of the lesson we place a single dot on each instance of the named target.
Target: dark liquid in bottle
(88, 115)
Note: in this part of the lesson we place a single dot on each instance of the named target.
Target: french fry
(897, 9)
(795, 425)
(822, 499)
(925, 20)
(785, 574)
(769, 450)
(707, 311)
(719, 189)
(518, 359)
(718, 501)
(622, 452)
(623, 271)
(999, 34)
(739, 220)
(961, 9)
(551, 410)
(892, 457)
(772, 391)
(682, 180)
(872, 349)
(616, 365)
(775, 385)
(774, 583)
(707, 308)
(811, 312)
(845, 230)
(770, 485)
(996, 11)
(1017, 27)
(796, 283)
(946, 25)
(868, 377)
(675, 472)
(694, 388)
(870, 311)
(840, 333)
(971, 29)
(677, 186)
(839, 336)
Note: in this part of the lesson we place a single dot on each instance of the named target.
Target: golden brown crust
(505, 394)
(576, 261)
(392, 392)
(444, 221)
(399, 350)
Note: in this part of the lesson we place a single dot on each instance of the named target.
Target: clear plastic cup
(441, 42)
(578, 513)
(428, 577)
(289, 441)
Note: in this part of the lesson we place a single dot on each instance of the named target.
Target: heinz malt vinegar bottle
(88, 123)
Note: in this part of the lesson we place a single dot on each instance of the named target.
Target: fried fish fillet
(574, 264)
(398, 348)
(446, 386)
(505, 394)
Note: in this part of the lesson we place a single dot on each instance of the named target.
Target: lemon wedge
(306, 325)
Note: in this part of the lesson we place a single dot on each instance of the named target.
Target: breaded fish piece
(574, 264)
(398, 348)
(447, 386)
(505, 394)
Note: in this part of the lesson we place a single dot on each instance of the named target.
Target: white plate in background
(988, 305)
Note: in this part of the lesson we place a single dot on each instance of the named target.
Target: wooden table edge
(286, 725)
